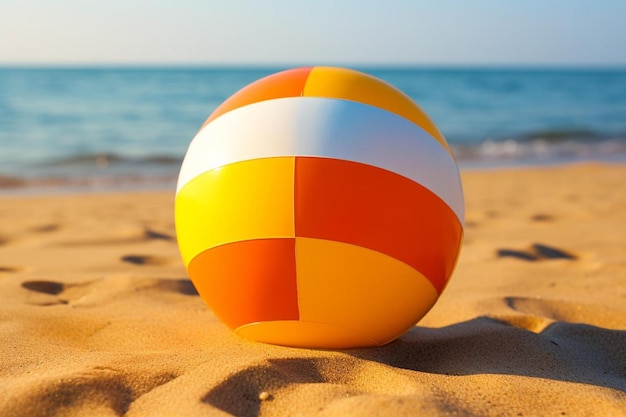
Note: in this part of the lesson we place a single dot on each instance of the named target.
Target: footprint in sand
(46, 228)
(536, 252)
(68, 293)
(49, 288)
(537, 314)
(242, 393)
(277, 383)
(46, 287)
(144, 260)
(542, 217)
(103, 391)
(563, 311)
(152, 234)
(9, 269)
(135, 235)
(179, 286)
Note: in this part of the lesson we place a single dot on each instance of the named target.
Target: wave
(39, 184)
(560, 135)
(107, 171)
(103, 160)
(543, 147)
(94, 171)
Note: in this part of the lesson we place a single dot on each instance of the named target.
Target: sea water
(112, 127)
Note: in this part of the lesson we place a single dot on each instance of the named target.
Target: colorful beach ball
(319, 207)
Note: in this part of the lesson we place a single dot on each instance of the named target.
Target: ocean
(112, 128)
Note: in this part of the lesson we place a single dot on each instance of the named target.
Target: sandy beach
(98, 317)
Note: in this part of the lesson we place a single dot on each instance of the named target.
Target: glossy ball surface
(319, 207)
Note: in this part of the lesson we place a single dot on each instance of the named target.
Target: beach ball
(319, 207)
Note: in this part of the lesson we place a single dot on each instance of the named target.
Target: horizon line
(275, 65)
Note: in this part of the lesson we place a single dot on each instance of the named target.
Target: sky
(268, 32)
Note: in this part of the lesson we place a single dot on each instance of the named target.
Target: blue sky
(386, 32)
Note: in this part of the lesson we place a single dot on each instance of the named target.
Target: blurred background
(108, 95)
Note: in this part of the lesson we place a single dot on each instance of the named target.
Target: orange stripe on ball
(377, 209)
(289, 83)
(347, 84)
(248, 281)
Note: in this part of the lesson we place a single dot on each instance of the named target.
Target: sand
(98, 318)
